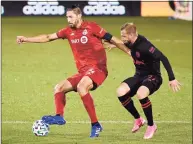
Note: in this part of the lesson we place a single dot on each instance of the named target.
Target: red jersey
(86, 45)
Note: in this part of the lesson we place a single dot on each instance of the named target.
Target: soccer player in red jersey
(85, 39)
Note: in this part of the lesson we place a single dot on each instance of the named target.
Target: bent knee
(64, 87)
(122, 90)
(142, 92)
(58, 89)
(82, 89)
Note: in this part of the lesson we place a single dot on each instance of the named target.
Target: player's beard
(73, 25)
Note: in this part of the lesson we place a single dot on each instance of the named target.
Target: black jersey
(147, 58)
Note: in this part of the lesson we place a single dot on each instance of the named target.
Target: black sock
(95, 123)
(147, 108)
(127, 102)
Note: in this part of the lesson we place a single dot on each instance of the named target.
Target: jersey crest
(137, 54)
(85, 32)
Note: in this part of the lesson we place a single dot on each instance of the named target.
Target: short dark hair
(75, 8)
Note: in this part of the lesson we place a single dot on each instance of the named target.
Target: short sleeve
(62, 33)
(97, 30)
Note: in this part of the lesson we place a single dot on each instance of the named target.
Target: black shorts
(152, 82)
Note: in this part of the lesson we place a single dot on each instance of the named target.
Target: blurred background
(175, 9)
(30, 71)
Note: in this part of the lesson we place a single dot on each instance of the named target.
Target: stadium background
(30, 71)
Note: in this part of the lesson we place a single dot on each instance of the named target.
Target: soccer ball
(40, 128)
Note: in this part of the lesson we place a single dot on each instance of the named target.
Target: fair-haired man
(85, 39)
(147, 78)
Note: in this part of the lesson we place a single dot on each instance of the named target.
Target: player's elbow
(48, 38)
(163, 57)
(43, 38)
(164, 60)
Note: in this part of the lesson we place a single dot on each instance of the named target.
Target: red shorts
(96, 75)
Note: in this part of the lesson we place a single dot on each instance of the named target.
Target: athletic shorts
(152, 82)
(96, 75)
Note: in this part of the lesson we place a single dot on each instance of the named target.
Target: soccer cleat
(137, 124)
(150, 131)
(58, 120)
(95, 130)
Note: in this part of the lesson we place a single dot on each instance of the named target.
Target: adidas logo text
(102, 7)
(43, 7)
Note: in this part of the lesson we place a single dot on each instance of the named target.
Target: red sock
(89, 105)
(60, 102)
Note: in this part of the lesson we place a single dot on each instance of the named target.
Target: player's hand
(175, 85)
(21, 39)
(110, 46)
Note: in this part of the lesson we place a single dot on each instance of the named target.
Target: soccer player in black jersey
(147, 78)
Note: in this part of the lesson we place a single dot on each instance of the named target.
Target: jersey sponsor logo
(43, 7)
(2, 10)
(104, 7)
(138, 62)
(84, 39)
(75, 41)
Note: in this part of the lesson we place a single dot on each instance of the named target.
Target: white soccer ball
(40, 128)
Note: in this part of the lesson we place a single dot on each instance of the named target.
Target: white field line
(107, 122)
(167, 40)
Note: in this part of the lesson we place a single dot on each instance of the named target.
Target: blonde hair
(129, 28)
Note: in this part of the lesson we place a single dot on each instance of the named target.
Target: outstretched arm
(119, 44)
(108, 45)
(37, 39)
(112, 40)
(173, 83)
(156, 54)
(103, 34)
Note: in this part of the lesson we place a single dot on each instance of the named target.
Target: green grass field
(30, 72)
